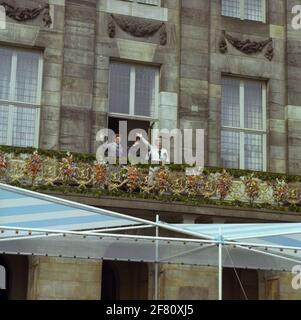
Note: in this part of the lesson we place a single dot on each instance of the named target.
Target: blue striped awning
(267, 234)
(20, 208)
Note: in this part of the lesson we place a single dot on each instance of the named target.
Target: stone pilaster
(64, 279)
(78, 75)
(294, 92)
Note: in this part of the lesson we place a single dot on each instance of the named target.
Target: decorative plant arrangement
(193, 185)
(3, 164)
(134, 178)
(33, 166)
(284, 194)
(252, 187)
(162, 177)
(75, 173)
(100, 177)
(224, 184)
(68, 168)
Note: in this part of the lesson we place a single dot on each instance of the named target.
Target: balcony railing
(65, 172)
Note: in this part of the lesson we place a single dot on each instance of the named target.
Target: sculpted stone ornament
(24, 14)
(137, 27)
(246, 46)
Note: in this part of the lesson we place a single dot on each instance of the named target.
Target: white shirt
(155, 153)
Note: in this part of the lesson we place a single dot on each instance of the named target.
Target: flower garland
(224, 184)
(34, 166)
(3, 164)
(155, 181)
(134, 178)
(68, 167)
(252, 187)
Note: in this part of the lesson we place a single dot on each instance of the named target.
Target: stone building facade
(190, 64)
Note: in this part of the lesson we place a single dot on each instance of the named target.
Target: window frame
(242, 130)
(12, 103)
(242, 11)
(131, 115)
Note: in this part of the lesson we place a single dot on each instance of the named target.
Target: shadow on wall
(16, 277)
(124, 281)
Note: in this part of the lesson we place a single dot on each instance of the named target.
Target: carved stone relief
(247, 46)
(137, 27)
(25, 14)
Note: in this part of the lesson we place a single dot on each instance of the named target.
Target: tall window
(133, 91)
(243, 121)
(245, 9)
(20, 96)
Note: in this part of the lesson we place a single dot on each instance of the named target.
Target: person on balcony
(156, 153)
(110, 151)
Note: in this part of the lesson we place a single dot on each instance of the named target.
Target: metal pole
(156, 262)
(220, 267)
(104, 235)
(220, 273)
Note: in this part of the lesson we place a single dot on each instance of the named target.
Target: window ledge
(244, 20)
(133, 9)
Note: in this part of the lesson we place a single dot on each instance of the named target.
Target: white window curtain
(253, 10)
(20, 96)
(144, 90)
(243, 133)
(27, 77)
(5, 71)
(231, 8)
(133, 90)
(244, 9)
(4, 110)
(119, 93)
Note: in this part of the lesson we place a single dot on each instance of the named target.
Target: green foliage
(189, 200)
(172, 197)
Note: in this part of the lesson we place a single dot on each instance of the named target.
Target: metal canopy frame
(192, 242)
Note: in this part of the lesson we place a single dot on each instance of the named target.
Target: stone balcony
(173, 188)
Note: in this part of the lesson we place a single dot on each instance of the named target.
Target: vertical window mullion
(264, 11)
(242, 9)
(264, 107)
(132, 91)
(264, 152)
(12, 97)
(155, 111)
(10, 125)
(264, 122)
(242, 124)
(12, 91)
(39, 89)
(37, 127)
(38, 102)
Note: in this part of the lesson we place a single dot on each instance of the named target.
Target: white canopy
(32, 223)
